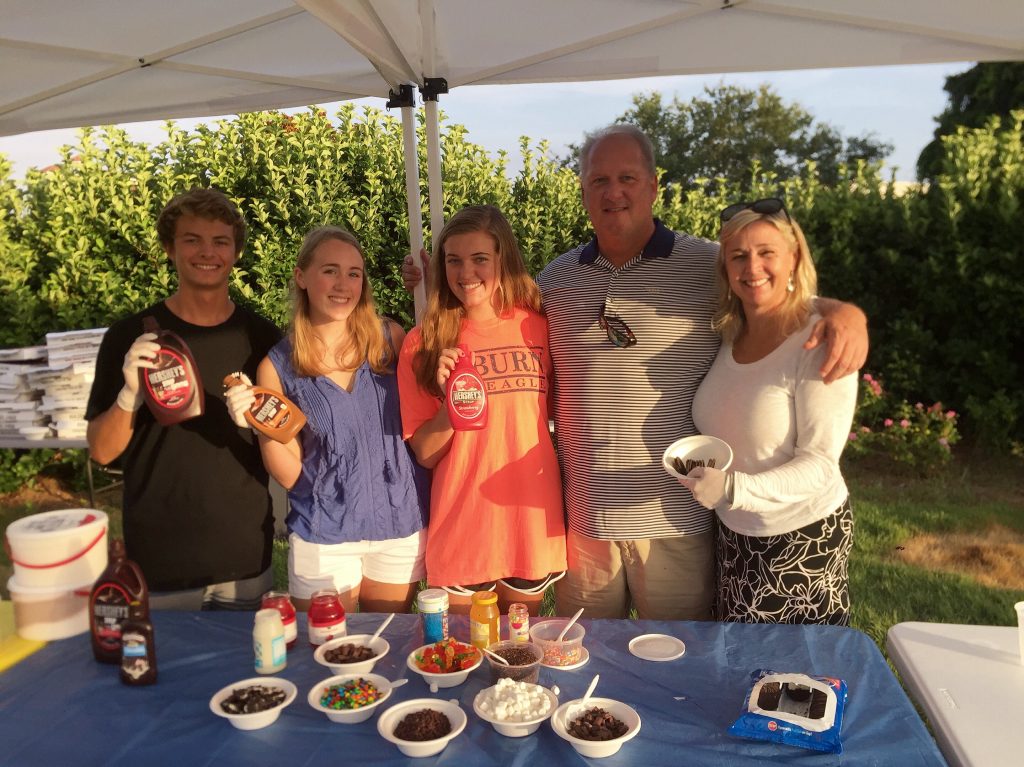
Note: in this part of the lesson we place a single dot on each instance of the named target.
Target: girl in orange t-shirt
(496, 500)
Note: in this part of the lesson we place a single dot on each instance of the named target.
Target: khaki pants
(663, 578)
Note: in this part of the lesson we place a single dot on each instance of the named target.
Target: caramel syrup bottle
(114, 591)
(138, 647)
(172, 389)
(272, 413)
(465, 395)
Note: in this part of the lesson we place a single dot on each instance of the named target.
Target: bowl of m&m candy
(349, 698)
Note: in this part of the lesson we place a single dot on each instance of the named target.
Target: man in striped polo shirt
(630, 334)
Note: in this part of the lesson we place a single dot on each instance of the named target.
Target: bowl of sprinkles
(349, 698)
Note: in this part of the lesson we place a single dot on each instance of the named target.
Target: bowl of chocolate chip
(253, 703)
(523, 661)
(355, 654)
(423, 726)
(686, 454)
(596, 728)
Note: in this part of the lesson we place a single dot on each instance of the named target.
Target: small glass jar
(518, 622)
(326, 617)
(282, 602)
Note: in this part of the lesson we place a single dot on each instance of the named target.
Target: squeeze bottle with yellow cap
(484, 618)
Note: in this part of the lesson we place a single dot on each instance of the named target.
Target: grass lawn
(894, 576)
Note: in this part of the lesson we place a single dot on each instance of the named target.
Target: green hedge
(939, 271)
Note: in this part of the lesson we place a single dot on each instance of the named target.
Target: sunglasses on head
(616, 328)
(768, 206)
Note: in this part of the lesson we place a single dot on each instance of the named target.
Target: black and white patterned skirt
(797, 577)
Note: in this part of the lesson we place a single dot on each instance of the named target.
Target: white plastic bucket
(50, 613)
(58, 548)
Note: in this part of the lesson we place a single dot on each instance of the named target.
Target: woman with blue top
(358, 499)
(786, 525)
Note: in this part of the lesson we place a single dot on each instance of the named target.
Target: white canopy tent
(66, 63)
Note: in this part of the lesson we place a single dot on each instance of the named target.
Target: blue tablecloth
(59, 707)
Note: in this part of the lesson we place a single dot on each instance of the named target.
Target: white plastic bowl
(596, 749)
(258, 719)
(450, 679)
(514, 729)
(380, 646)
(389, 719)
(699, 447)
(349, 715)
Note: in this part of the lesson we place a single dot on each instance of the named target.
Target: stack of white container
(71, 357)
(20, 417)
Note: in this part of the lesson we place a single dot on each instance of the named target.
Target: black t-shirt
(196, 506)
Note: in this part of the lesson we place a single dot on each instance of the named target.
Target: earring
(790, 287)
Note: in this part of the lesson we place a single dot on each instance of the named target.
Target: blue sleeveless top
(359, 479)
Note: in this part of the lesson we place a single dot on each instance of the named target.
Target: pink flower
(888, 422)
(919, 406)
(865, 429)
(853, 436)
(876, 388)
(904, 423)
(937, 407)
(950, 415)
(944, 442)
(867, 377)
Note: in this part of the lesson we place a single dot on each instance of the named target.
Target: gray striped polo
(617, 409)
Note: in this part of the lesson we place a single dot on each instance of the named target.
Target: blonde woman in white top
(786, 525)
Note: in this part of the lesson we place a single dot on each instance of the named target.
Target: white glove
(710, 487)
(140, 354)
(239, 399)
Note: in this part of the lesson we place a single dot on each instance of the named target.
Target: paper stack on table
(19, 398)
(72, 366)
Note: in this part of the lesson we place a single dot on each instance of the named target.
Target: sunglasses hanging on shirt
(616, 328)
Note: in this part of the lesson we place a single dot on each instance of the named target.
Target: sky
(897, 103)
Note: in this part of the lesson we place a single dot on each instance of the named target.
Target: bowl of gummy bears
(446, 663)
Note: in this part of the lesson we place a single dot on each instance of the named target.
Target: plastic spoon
(582, 705)
(496, 657)
(381, 628)
(570, 624)
(398, 683)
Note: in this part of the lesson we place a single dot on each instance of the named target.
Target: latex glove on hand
(141, 354)
(239, 398)
(710, 487)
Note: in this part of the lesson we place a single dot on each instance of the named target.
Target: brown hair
(211, 204)
(443, 317)
(796, 307)
(366, 341)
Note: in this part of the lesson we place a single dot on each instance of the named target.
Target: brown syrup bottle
(272, 413)
(172, 389)
(117, 587)
(138, 648)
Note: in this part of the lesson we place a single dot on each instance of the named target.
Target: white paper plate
(584, 659)
(657, 647)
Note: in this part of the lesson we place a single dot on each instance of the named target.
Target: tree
(722, 134)
(984, 90)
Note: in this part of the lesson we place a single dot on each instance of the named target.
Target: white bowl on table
(257, 719)
(445, 679)
(389, 719)
(514, 729)
(380, 647)
(349, 715)
(595, 749)
(699, 447)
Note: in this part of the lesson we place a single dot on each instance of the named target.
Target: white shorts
(342, 566)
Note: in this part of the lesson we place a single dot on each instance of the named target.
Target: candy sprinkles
(355, 693)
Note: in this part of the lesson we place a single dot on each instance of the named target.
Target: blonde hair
(445, 312)
(796, 307)
(365, 342)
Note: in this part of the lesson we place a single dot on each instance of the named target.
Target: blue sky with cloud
(898, 104)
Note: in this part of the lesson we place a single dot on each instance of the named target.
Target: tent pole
(406, 99)
(432, 87)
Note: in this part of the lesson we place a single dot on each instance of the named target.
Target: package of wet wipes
(795, 709)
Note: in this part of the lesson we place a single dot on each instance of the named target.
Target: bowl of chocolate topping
(355, 654)
(422, 726)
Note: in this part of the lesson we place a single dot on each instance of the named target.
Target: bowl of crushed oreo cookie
(423, 726)
(686, 454)
(253, 703)
(355, 654)
(596, 728)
